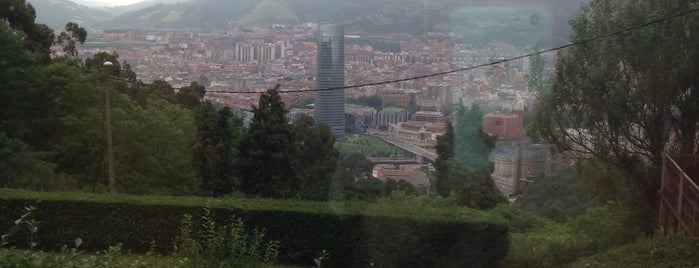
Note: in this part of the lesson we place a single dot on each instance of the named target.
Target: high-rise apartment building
(330, 66)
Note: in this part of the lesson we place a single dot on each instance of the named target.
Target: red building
(505, 126)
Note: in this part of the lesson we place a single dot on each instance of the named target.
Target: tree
(190, 96)
(24, 94)
(400, 186)
(472, 145)
(462, 166)
(20, 15)
(628, 98)
(315, 158)
(444, 182)
(537, 77)
(373, 101)
(267, 151)
(72, 34)
(353, 180)
(23, 168)
(215, 149)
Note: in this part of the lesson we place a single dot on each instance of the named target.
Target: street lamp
(108, 114)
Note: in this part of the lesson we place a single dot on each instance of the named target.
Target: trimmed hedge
(354, 233)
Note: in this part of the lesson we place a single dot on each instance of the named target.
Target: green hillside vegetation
(675, 251)
(509, 21)
(56, 13)
(269, 12)
(174, 16)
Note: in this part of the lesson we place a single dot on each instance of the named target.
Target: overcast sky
(111, 2)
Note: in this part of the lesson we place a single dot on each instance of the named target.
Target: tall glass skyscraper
(330, 78)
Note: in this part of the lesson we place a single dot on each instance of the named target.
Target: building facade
(517, 164)
(390, 116)
(330, 78)
(505, 126)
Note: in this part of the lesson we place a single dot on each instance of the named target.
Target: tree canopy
(462, 166)
(630, 97)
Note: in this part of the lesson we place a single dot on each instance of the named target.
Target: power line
(582, 42)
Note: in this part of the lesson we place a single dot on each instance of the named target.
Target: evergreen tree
(315, 158)
(444, 181)
(215, 149)
(267, 151)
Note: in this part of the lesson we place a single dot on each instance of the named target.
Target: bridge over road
(419, 152)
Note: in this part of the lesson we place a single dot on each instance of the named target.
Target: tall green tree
(25, 96)
(267, 151)
(537, 77)
(445, 183)
(215, 149)
(472, 145)
(20, 16)
(150, 146)
(78, 139)
(462, 166)
(628, 98)
(315, 158)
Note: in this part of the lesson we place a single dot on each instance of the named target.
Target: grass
(367, 145)
(173, 16)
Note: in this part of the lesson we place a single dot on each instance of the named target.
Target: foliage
(626, 99)
(676, 251)
(345, 229)
(23, 95)
(314, 159)
(570, 192)
(215, 148)
(228, 246)
(556, 244)
(73, 34)
(462, 166)
(374, 101)
(190, 96)
(352, 179)
(20, 15)
(266, 162)
(22, 168)
(538, 79)
(13, 257)
(399, 186)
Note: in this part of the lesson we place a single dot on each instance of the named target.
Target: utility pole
(108, 114)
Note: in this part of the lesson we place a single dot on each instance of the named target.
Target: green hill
(56, 13)
(269, 12)
(512, 21)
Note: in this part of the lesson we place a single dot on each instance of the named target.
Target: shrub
(227, 246)
(353, 233)
(556, 244)
(659, 252)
